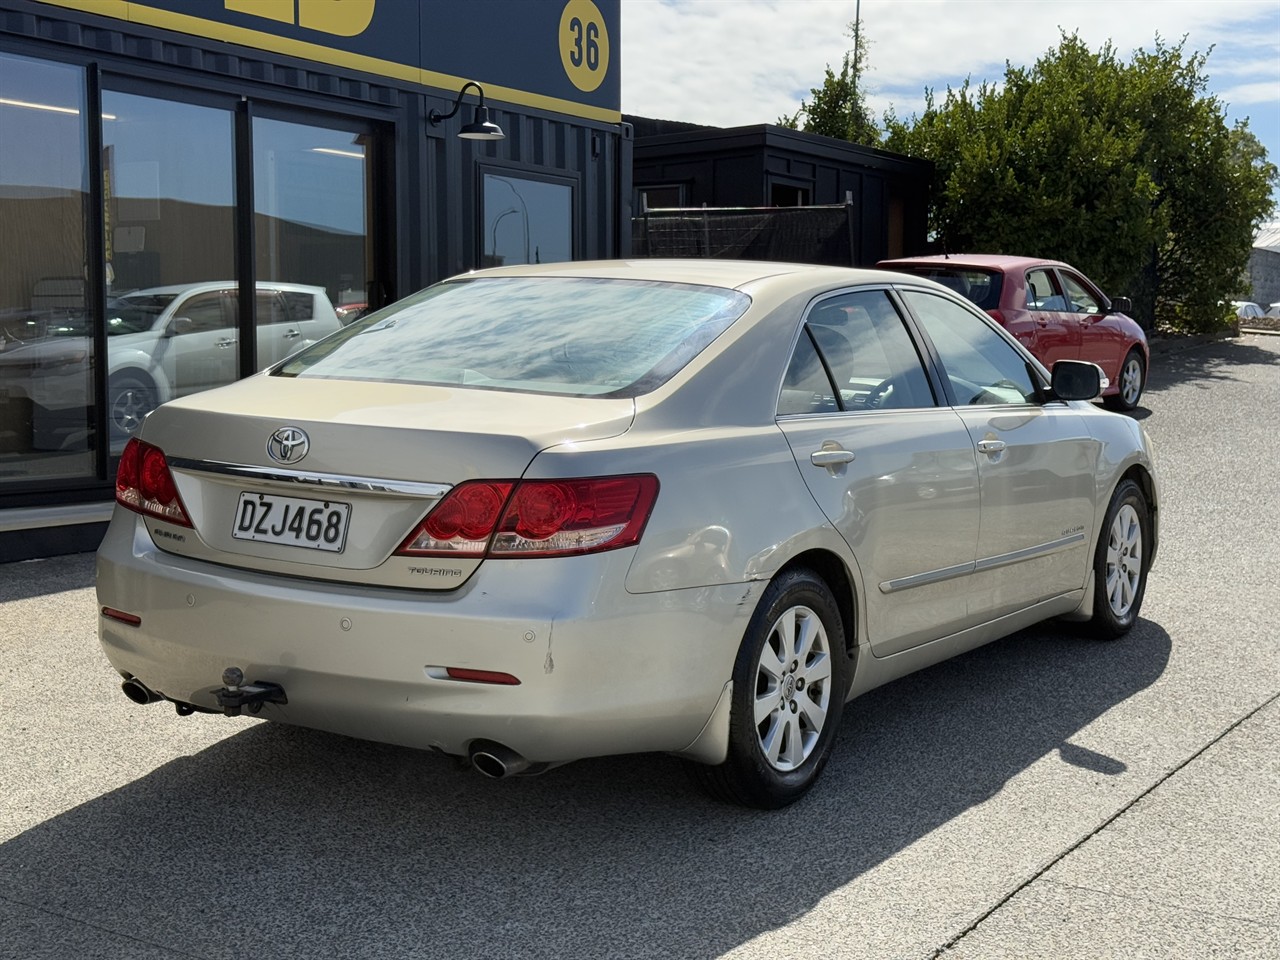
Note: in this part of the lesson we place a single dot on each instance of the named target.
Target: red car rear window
(980, 286)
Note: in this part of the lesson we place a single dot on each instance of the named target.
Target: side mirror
(178, 326)
(1121, 305)
(1076, 380)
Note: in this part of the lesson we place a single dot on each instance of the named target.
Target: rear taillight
(536, 518)
(145, 485)
(998, 317)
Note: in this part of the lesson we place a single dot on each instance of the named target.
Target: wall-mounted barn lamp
(480, 127)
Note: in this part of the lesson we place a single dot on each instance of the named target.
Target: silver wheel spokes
(129, 408)
(1131, 381)
(1124, 560)
(793, 688)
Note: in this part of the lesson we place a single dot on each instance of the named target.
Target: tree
(839, 108)
(1127, 170)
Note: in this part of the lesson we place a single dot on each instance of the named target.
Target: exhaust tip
(496, 761)
(489, 765)
(139, 693)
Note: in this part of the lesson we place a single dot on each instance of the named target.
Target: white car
(162, 343)
(1247, 310)
(547, 512)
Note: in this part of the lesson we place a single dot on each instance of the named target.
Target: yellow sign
(341, 18)
(410, 41)
(584, 44)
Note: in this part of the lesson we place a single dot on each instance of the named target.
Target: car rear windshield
(563, 335)
(980, 286)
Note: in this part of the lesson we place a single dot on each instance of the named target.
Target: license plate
(314, 524)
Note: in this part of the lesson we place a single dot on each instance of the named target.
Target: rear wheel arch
(790, 678)
(840, 582)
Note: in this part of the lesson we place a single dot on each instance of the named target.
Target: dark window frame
(513, 171)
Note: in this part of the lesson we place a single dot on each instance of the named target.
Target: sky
(737, 62)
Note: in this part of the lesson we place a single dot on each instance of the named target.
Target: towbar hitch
(235, 696)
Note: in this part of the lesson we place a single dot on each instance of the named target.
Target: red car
(1053, 310)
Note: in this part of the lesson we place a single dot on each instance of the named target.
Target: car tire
(1120, 563)
(1133, 379)
(790, 681)
(130, 397)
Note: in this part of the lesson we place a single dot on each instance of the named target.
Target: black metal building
(682, 166)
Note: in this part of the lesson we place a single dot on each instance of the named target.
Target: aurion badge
(288, 445)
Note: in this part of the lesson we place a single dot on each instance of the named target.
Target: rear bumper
(601, 671)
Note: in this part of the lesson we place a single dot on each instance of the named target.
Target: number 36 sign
(584, 44)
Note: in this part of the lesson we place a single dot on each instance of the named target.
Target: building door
(271, 217)
(314, 201)
(170, 230)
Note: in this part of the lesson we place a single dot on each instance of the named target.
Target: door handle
(292, 334)
(224, 342)
(990, 447)
(830, 456)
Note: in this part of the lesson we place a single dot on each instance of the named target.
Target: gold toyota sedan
(540, 513)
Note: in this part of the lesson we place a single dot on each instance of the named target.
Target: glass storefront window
(526, 221)
(170, 252)
(311, 208)
(46, 348)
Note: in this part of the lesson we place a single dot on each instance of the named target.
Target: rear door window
(854, 354)
(1043, 292)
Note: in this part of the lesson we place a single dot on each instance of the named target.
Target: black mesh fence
(795, 234)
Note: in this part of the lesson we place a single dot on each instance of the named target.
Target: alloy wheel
(1131, 381)
(128, 408)
(1124, 560)
(793, 688)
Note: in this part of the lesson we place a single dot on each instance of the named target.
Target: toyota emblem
(288, 445)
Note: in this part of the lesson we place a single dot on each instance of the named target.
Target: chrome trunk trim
(326, 481)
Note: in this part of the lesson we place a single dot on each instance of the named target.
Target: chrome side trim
(1019, 555)
(329, 481)
(990, 563)
(930, 576)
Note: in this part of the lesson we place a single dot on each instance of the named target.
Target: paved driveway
(1043, 796)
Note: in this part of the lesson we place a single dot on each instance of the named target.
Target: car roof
(991, 261)
(179, 288)
(716, 273)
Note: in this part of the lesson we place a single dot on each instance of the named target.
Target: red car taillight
(998, 317)
(145, 485)
(536, 518)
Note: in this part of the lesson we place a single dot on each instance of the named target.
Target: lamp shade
(481, 127)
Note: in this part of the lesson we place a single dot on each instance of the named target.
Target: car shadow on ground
(304, 844)
(1205, 364)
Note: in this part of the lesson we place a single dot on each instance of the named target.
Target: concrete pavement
(1044, 796)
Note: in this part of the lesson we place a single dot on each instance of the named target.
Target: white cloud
(734, 62)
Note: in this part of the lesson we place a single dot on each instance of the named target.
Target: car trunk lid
(364, 463)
